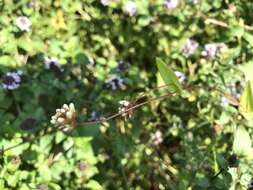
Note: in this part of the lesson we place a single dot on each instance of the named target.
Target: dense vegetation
(118, 94)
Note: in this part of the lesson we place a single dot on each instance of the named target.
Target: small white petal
(65, 106)
(60, 120)
(72, 107)
(69, 115)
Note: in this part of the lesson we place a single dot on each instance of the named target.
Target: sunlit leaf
(246, 101)
(92, 184)
(242, 142)
(248, 37)
(169, 77)
(248, 70)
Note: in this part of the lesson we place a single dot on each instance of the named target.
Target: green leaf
(236, 31)
(248, 37)
(248, 70)
(246, 102)
(242, 142)
(222, 162)
(203, 183)
(169, 77)
(92, 184)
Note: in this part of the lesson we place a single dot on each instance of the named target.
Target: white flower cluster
(65, 118)
(11, 80)
(124, 109)
(23, 23)
(157, 137)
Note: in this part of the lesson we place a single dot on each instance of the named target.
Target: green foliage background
(199, 132)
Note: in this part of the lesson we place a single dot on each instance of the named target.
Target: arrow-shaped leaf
(246, 101)
(169, 77)
(242, 142)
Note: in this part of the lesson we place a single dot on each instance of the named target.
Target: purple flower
(224, 101)
(130, 8)
(93, 116)
(23, 23)
(211, 50)
(180, 76)
(189, 47)
(114, 81)
(52, 63)
(82, 166)
(171, 4)
(123, 66)
(11, 80)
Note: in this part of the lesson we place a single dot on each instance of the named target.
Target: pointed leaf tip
(169, 77)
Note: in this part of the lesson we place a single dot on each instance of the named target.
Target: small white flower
(11, 80)
(180, 76)
(130, 8)
(189, 47)
(171, 4)
(125, 109)
(23, 23)
(114, 81)
(104, 2)
(157, 137)
(65, 118)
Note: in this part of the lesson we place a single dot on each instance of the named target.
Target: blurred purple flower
(23, 23)
(93, 116)
(211, 50)
(180, 76)
(114, 81)
(171, 4)
(224, 101)
(52, 63)
(123, 66)
(82, 166)
(11, 80)
(189, 47)
(130, 8)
